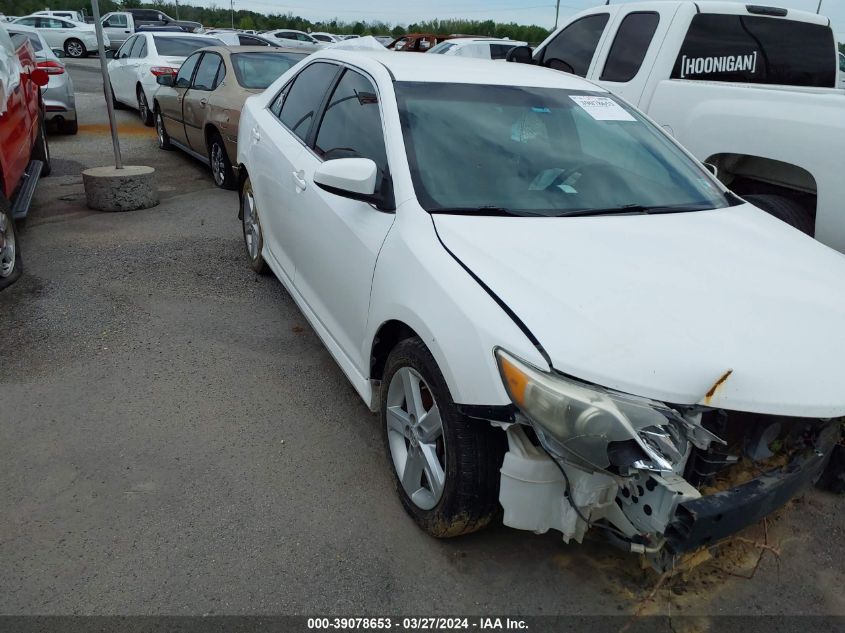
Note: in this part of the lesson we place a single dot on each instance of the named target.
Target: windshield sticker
(541, 110)
(602, 108)
(724, 64)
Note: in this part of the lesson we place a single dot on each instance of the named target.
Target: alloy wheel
(7, 247)
(160, 129)
(252, 227)
(218, 165)
(415, 437)
(143, 109)
(74, 49)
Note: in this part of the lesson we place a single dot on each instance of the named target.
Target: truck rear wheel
(784, 209)
(11, 265)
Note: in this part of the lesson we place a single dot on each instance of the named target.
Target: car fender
(419, 283)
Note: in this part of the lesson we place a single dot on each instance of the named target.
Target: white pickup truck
(748, 89)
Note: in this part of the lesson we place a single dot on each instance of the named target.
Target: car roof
(255, 49)
(446, 69)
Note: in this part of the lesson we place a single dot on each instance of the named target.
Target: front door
(116, 28)
(336, 241)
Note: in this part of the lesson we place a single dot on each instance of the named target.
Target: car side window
(351, 126)
(246, 40)
(183, 77)
(500, 51)
(27, 21)
(304, 97)
(123, 51)
(116, 21)
(142, 52)
(276, 106)
(573, 48)
(630, 46)
(136, 47)
(207, 71)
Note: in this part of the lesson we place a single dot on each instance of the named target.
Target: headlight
(594, 427)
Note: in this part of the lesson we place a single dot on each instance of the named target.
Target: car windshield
(182, 46)
(259, 70)
(541, 151)
(442, 48)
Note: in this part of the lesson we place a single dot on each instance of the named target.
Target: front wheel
(11, 265)
(445, 465)
(75, 48)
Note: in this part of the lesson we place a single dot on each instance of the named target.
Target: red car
(24, 155)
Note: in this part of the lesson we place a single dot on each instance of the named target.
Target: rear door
(336, 240)
(276, 140)
(207, 77)
(175, 125)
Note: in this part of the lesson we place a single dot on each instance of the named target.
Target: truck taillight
(163, 70)
(51, 67)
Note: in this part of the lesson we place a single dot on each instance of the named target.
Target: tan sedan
(198, 109)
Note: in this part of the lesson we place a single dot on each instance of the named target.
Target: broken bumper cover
(703, 521)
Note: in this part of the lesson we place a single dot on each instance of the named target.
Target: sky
(541, 12)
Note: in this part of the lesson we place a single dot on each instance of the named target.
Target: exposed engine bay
(658, 480)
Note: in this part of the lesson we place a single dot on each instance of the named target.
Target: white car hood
(664, 306)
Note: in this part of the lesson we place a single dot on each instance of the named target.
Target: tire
(117, 105)
(144, 108)
(161, 131)
(11, 265)
(785, 210)
(221, 166)
(466, 453)
(41, 151)
(69, 127)
(74, 48)
(251, 224)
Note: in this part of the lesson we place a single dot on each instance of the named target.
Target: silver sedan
(58, 95)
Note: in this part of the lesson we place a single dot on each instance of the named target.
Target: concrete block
(127, 189)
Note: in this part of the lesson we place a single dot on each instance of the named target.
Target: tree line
(221, 17)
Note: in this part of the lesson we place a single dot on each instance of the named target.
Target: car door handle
(299, 179)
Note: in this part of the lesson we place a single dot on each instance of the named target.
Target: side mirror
(166, 80)
(353, 178)
(58, 52)
(39, 77)
(520, 55)
(110, 54)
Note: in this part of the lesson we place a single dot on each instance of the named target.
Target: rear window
(183, 46)
(259, 70)
(754, 49)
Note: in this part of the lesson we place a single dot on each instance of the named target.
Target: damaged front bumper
(710, 518)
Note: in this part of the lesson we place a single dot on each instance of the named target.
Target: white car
(73, 16)
(550, 303)
(142, 58)
(300, 39)
(479, 47)
(74, 38)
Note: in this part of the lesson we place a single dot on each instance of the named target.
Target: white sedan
(478, 47)
(74, 38)
(142, 58)
(549, 303)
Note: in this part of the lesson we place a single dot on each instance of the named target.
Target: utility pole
(177, 10)
(819, 8)
(232, 11)
(557, 12)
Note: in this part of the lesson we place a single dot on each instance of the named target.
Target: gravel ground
(174, 439)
